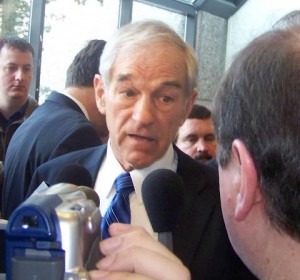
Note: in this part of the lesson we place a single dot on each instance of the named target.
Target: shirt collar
(112, 169)
(168, 161)
(85, 112)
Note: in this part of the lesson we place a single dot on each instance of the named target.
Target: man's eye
(27, 69)
(166, 99)
(129, 93)
(210, 137)
(10, 69)
(191, 140)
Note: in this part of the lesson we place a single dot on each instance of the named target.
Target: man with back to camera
(256, 116)
(145, 99)
(16, 70)
(196, 137)
(288, 20)
(66, 122)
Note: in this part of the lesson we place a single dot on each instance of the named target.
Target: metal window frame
(36, 31)
(37, 18)
(125, 14)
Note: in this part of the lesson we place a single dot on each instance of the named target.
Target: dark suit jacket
(57, 127)
(200, 239)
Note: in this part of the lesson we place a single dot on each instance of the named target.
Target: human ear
(248, 190)
(99, 93)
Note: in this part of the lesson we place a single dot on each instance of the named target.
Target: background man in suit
(256, 115)
(66, 122)
(196, 137)
(146, 97)
(16, 69)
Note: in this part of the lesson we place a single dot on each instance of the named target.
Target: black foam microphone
(78, 175)
(162, 192)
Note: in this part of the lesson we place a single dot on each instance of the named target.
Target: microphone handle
(166, 239)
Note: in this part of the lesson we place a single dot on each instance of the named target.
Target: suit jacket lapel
(94, 160)
(196, 209)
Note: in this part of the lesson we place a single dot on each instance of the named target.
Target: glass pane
(14, 18)
(68, 26)
(175, 20)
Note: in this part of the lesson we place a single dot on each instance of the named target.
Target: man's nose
(19, 74)
(201, 145)
(144, 111)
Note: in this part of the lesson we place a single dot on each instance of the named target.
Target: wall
(211, 51)
(219, 39)
(254, 18)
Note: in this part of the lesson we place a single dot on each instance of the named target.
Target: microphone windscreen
(75, 174)
(162, 192)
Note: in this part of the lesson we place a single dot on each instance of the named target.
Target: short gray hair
(143, 33)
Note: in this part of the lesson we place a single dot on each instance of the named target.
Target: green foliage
(14, 16)
(44, 92)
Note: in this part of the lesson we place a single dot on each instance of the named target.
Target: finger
(146, 262)
(125, 236)
(119, 228)
(111, 275)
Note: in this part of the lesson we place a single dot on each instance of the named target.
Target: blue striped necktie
(119, 209)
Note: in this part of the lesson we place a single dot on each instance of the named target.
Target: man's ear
(188, 106)
(248, 191)
(99, 93)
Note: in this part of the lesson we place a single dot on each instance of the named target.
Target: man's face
(196, 138)
(16, 70)
(145, 103)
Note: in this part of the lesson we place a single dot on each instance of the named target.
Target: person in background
(258, 132)
(146, 94)
(66, 122)
(16, 70)
(290, 19)
(256, 117)
(196, 137)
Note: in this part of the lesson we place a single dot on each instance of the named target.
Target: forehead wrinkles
(160, 63)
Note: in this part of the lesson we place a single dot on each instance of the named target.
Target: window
(60, 28)
(144, 11)
(68, 26)
(14, 18)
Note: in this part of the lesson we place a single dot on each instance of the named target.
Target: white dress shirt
(110, 169)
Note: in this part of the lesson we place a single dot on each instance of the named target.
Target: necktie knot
(124, 183)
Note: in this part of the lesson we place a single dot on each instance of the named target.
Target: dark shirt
(9, 126)
(4, 123)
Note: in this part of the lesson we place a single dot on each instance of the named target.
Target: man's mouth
(202, 156)
(141, 137)
(16, 87)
